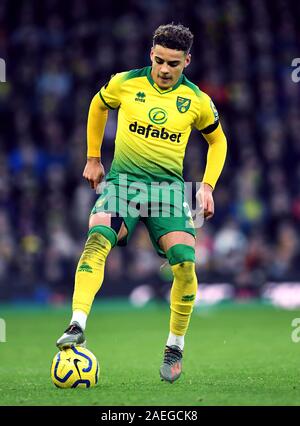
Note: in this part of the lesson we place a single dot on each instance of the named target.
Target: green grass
(234, 355)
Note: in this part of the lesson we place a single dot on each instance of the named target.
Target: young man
(158, 107)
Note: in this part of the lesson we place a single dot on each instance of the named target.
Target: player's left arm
(216, 155)
(209, 125)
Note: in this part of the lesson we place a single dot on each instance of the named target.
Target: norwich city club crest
(183, 104)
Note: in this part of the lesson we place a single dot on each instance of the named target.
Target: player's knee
(180, 253)
(103, 234)
(96, 250)
(99, 218)
(184, 272)
(111, 226)
(182, 260)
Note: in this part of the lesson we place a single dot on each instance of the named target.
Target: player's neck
(163, 89)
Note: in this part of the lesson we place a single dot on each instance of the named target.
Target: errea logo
(85, 268)
(140, 97)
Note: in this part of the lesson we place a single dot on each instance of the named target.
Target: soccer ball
(75, 367)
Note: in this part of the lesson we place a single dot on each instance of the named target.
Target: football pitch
(235, 354)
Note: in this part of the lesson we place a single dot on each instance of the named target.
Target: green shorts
(162, 207)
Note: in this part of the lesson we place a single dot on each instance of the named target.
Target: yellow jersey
(154, 125)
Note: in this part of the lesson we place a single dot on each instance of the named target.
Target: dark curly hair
(173, 37)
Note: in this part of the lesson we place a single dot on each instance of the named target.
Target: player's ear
(151, 54)
(188, 59)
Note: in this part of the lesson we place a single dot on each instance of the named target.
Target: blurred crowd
(58, 55)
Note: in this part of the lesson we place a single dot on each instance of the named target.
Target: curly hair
(173, 37)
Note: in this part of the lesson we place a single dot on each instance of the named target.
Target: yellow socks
(90, 270)
(183, 294)
(90, 274)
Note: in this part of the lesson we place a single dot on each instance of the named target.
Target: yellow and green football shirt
(154, 125)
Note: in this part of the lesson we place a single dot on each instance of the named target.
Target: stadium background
(58, 54)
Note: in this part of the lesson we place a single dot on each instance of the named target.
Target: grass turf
(234, 355)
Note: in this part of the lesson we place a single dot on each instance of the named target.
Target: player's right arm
(97, 118)
(107, 98)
